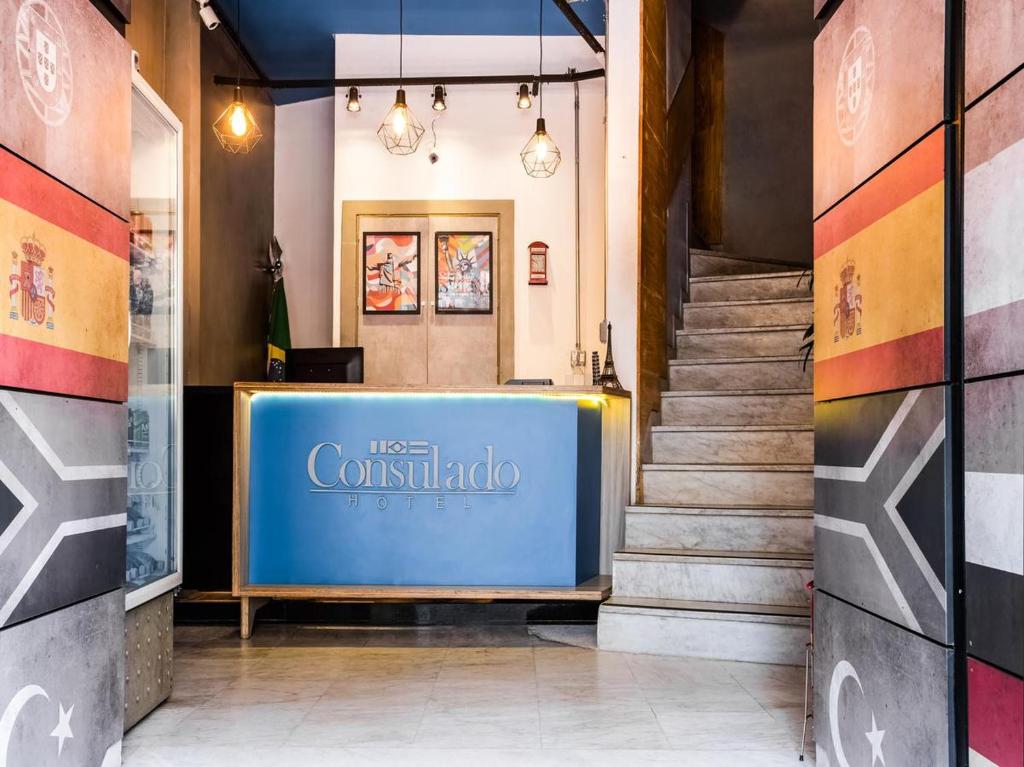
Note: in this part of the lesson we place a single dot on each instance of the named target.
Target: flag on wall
(279, 337)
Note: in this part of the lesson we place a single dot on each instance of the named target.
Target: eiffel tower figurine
(608, 379)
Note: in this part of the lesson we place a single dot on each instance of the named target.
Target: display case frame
(173, 578)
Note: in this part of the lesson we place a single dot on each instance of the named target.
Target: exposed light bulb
(542, 147)
(524, 101)
(439, 104)
(353, 100)
(239, 125)
(399, 122)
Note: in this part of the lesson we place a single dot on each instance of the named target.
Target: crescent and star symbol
(844, 670)
(10, 717)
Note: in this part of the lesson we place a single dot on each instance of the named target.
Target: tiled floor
(459, 696)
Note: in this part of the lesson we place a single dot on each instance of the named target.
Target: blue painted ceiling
(294, 38)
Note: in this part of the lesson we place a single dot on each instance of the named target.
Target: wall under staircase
(717, 556)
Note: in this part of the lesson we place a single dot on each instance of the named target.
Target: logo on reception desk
(400, 469)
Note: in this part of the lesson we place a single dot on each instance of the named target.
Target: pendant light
(540, 156)
(236, 128)
(400, 132)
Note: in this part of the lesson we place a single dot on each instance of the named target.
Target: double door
(431, 347)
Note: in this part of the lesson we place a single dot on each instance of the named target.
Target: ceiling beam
(579, 26)
(368, 82)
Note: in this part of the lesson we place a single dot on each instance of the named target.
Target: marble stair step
(737, 407)
(746, 314)
(707, 263)
(707, 343)
(714, 630)
(787, 372)
(732, 444)
(725, 484)
(740, 287)
(775, 529)
(762, 577)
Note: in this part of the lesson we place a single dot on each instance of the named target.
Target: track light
(524, 101)
(353, 100)
(439, 94)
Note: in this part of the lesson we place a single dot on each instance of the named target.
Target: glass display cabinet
(154, 354)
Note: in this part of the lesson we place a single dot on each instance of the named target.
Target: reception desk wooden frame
(615, 444)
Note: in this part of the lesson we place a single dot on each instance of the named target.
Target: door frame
(504, 264)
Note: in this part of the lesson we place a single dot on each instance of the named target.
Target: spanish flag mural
(879, 285)
(64, 327)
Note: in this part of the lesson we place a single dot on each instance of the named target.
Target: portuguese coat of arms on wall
(848, 309)
(855, 85)
(44, 61)
(32, 290)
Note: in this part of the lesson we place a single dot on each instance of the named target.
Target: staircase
(716, 558)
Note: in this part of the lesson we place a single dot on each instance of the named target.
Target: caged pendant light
(400, 132)
(236, 128)
(540, 156)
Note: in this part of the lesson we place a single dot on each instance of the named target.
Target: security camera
(433, 157)
(207, 14)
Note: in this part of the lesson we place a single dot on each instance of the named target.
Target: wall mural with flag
(877, 89)
(879, 280)
(881, 511)
(993, 452)
(901, 525)
(64, 326)
(65, 138)
(881, 694)
(66, 79)
(60, 691)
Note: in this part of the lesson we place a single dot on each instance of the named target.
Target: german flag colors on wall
(879, 285)
(64, 320)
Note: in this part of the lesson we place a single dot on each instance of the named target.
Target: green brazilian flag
(279, 337)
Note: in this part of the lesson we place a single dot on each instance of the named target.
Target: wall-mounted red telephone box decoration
(538, 263)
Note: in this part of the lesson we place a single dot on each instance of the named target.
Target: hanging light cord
(238, 48)
(540, 71)
(401, 38)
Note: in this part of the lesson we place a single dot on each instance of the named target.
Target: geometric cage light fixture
(236, 128)
(541, 156)
(400, 131)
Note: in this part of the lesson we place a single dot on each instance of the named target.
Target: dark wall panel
(62, 674)
(63, 492)
(881, 506)
(881, 693)
(66, 80)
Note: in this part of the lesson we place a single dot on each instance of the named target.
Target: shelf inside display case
(154, 366)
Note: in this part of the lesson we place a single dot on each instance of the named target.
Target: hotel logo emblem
(44, 61)
(855, 86)
(848, 308)
(32, 292)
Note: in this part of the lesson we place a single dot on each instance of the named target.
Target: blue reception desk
(353, 491)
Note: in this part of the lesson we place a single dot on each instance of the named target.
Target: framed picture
(391, 273)
(462, 273)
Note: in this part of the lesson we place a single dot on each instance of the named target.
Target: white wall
(303, 218)
(478, 139)
(623, 159)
